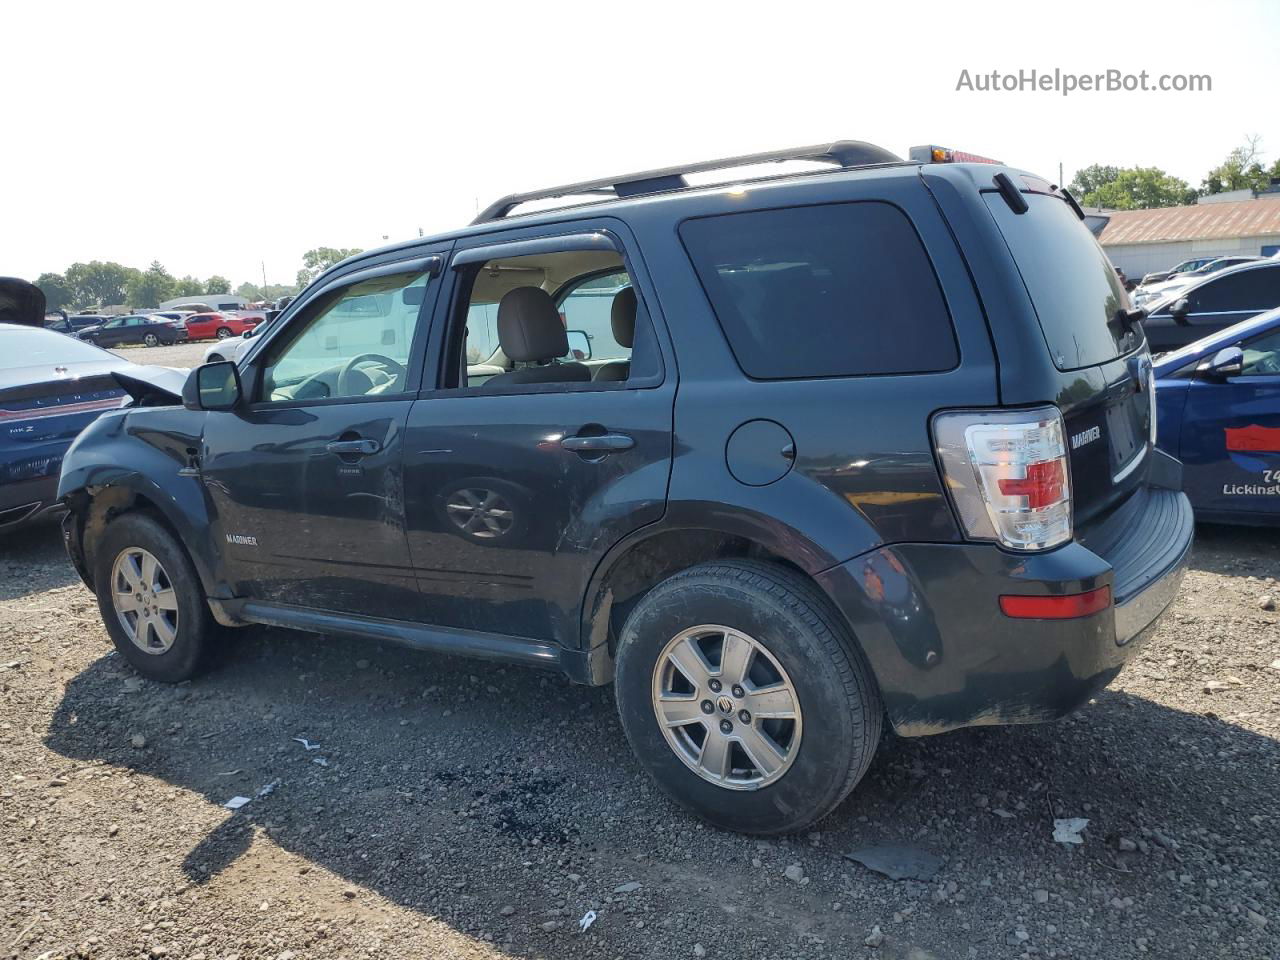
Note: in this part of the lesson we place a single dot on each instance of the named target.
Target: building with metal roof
(1143, 241)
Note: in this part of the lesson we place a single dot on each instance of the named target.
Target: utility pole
(1060, 183)
(264, 279)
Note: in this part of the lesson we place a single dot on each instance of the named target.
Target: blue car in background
(1218, 405)
(51, 387)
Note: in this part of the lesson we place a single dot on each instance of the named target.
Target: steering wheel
(344, 376)
(1267, 363)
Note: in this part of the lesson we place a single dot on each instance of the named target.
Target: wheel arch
(109, 472)
(650, 555)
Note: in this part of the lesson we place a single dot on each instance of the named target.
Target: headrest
(622, 315)
(529, 326)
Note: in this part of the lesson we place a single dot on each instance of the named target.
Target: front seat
(530, 331)
(622, 317)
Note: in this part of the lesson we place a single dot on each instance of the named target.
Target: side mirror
(579, 344)
(248, 333)
(1227, 362)
(215, 386)
(1179, 310)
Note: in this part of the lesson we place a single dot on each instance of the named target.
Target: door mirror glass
(1179, 309)
(1227, 362)
(214, 386)
(579, 345)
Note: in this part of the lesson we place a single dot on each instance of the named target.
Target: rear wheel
(151, 340)
(745, 697)
(223, 333)
(150, 599)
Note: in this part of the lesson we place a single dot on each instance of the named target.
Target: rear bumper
(945, 656)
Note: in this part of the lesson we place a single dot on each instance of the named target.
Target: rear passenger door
(515, 490)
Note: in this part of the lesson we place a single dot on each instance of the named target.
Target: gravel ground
(178, 355)
(462, 809)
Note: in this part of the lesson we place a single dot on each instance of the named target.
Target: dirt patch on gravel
(468, 810)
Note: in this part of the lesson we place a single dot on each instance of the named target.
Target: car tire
(223, 333)
(151, 340)
(164, 636)
(800, 654)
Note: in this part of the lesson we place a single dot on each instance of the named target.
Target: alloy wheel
(726, 707)
(480, 513)
(151, 340)
(144, 600)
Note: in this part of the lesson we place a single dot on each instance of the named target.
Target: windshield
(29, 347)
(1073, 286)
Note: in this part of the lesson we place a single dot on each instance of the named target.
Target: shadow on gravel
(32, 560)
(1236, 551)
(457, 787)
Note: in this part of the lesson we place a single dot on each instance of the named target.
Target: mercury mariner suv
(782, 457)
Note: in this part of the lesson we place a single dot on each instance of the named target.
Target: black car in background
(1220, 300)
(151, 331)
(51, 388)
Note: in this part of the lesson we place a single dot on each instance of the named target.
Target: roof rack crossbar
(842, 153)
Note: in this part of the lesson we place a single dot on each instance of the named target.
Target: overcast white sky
(212, 137)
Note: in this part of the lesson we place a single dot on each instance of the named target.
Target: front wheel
(223, 333)
(745, 697)
(150, 599)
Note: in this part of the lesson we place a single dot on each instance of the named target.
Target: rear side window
(833, 290)
(1073, 286)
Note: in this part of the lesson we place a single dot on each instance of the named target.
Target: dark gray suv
(782, 458)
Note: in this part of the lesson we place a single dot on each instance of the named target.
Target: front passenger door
(306, 478)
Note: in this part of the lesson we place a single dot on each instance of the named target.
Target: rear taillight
(1006, 471)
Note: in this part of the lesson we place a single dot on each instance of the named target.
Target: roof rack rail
(843, 153)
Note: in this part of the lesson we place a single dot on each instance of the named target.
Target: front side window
(831, 290)
(1262, 356)
(352, 342)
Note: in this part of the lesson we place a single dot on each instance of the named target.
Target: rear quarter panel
(864, 472)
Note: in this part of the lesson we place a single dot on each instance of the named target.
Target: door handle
(602, 443)
(358, 448)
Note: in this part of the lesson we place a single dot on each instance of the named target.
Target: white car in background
(1151, 292)
(232, 348)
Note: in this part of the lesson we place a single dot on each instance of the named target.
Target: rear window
(823, 291)
(1073, 286)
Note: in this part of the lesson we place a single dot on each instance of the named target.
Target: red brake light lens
(1067, 607)
(1043, 485)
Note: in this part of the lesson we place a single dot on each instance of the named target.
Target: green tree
(151, 288)
(188, 286)
(97, 283)
(319, 259)
(1092, 178)
(1242, 170)
(217, 284)
(1140, 188)
(250, 291)
(58, 293)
